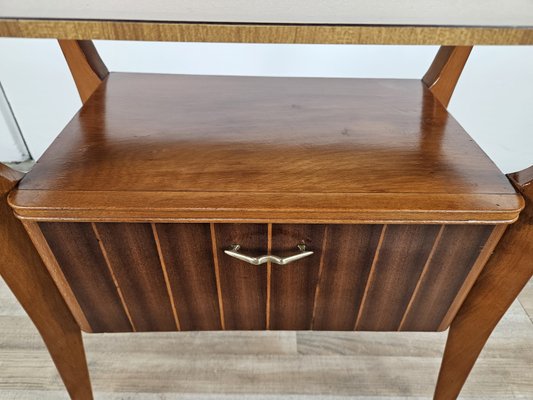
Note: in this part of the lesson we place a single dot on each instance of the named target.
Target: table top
(516, 13)
(354, 21)
(286, 149)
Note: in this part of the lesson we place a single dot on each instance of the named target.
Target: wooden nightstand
(134, 204)
(174, 203)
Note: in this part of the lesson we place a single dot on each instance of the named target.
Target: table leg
(500, 282)
(27, 277)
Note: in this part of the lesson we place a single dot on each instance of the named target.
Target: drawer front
(166, 277)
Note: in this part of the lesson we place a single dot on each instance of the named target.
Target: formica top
(495, 13)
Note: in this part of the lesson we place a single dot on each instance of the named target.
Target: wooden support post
(506, 273)
(86, 66)
(443, 74)
(27, 277)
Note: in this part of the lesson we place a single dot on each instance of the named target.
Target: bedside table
(137, 203)
(175, 203)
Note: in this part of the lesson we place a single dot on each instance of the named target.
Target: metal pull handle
(234, 252)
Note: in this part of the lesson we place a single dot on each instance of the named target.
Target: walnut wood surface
(472, 276)
(293, 286)
(297, 21)
(186, 251)
(348, 254)
(291, 149)
(57, 274)
(165, 277)
(243, 286)
(132, 255)
(399, 260)
(27, 277)
(371, 208)
(76, 250)
(505, 274)
(441, 280)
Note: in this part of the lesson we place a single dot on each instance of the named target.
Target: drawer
(176, 276)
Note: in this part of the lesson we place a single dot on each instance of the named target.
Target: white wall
(12, 146)
(36, 81)
(493, 101)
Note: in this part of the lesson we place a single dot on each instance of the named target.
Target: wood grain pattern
(186, 249)
(56, 273)
(86, 66)
(460, 245)
(293, 286)
(371, 277)
(402, 256)
(422, 277)
(243, 286)
(27, 277)
(113, 276)
(348, 256)
(381, 159)
(77, 252)
(500, 282)
(259, 33)
(472, 276)
(443, 74)
(321, 208)
(133, 257)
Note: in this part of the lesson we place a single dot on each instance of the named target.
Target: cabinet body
(176, 276)
(134, 205)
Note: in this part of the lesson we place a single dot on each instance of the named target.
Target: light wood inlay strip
(217, 275)
(421, 278)
(106, 258)
(50, 261)
(165, 274)
(480, 262)
(320, 269)
(269, 276)
(370, 277)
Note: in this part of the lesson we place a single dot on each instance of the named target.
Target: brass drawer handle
(234, 252)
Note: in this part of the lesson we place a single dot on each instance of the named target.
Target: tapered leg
(500, 282)
(27, 277)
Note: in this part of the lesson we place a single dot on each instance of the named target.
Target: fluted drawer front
(165, 277)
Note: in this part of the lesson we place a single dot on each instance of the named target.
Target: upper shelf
(277, 21)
